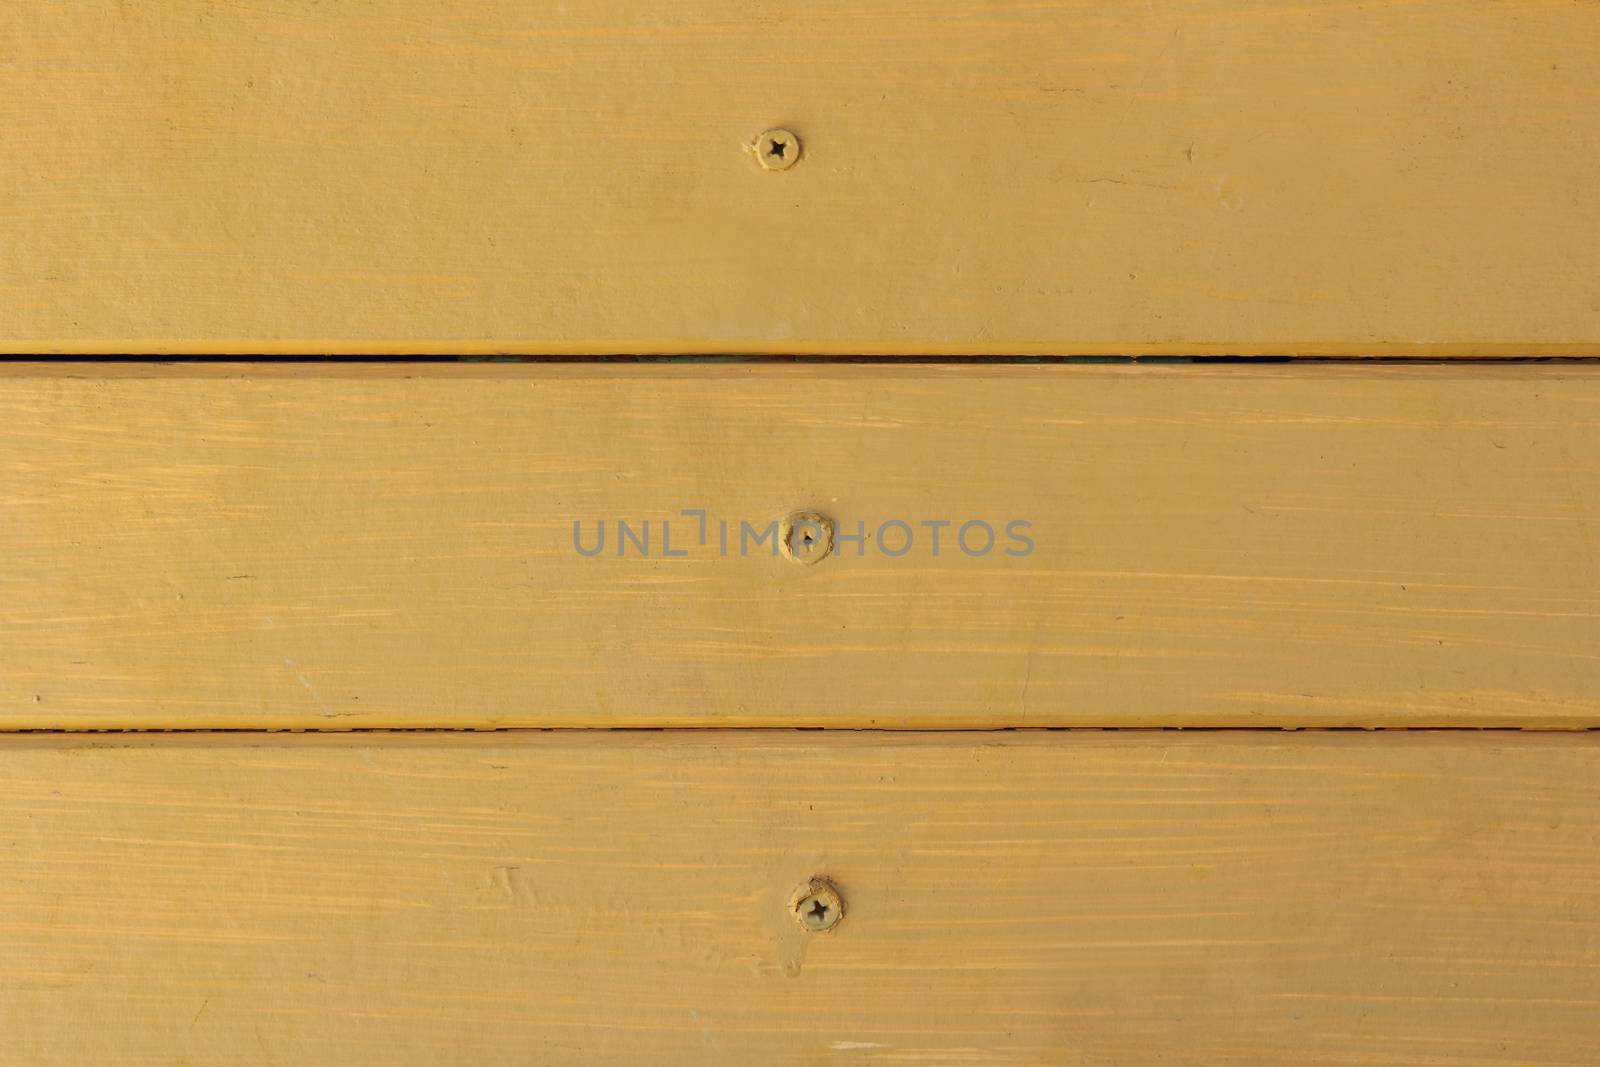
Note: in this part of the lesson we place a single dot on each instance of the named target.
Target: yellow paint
(333, 546)
(339, 546)
(1390, 900)
(1070, 176)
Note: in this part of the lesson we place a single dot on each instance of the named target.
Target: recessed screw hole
(777, 149)
(806, 537)
(817, 905)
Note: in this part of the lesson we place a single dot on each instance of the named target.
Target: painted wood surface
(986, 176)
(1267, 899)
(365, 545)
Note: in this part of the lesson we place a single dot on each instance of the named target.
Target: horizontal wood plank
(364, 545)
(1065, 176)
(1268, 899)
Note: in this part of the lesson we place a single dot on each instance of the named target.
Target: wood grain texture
(986, 176)
(360, 546)
(1386, 900)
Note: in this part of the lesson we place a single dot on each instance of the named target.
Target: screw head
(805, 537)
(777, 149)
(817, 905)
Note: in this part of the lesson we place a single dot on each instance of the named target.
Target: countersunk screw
(777, 150)
(805, 537)
(817, 905)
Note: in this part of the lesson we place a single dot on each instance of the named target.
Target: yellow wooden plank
(344, 546)
(1392, 900)
(977, 176)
